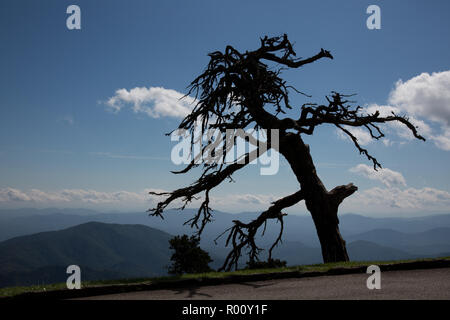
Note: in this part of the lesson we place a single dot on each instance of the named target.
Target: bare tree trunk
(322, 204)
(327, 226)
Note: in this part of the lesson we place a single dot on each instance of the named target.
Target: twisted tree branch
(242, 235)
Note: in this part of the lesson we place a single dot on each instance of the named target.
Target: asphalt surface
(396, 285)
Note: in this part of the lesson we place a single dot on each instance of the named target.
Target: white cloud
(410, 201)
(362, 135)
(393, 199)
(375, 201)
(425, 100)
(9, 195)
(154, 101)
(442, 140)
(387, 142)
(426, 95)
(386, 176)
(127, 200)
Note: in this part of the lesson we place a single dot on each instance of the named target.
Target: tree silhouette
(188, 257)
(245, 90)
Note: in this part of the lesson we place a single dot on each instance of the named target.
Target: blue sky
(60, 144)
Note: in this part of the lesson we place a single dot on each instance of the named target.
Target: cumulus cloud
(395, 197)
(443, 140)
(410, 200)
(10, 197)
(425, 100)
(154, 101)
(426, 95)
(388, 177)
(374, 201)
(10, 194)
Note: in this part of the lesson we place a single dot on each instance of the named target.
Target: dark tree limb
(340, 115)
(242, 235)
(205, 183)
(339, 193)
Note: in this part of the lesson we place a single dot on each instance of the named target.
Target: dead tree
(245, 90)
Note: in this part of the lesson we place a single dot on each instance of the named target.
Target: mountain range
(38, 245)
(103, 251)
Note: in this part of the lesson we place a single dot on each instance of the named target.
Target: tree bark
(331, 242)
(322, 204)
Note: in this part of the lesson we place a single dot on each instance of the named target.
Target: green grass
(12, 291)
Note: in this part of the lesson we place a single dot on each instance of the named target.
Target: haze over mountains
(124, 245)
(103, 251)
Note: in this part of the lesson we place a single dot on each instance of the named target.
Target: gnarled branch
(242, 235)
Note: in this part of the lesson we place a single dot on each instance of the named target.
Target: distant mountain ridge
(436, 240)
(19, 222)
(110, 250)
(135, 245)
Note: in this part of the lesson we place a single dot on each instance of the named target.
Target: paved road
(413, 284)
